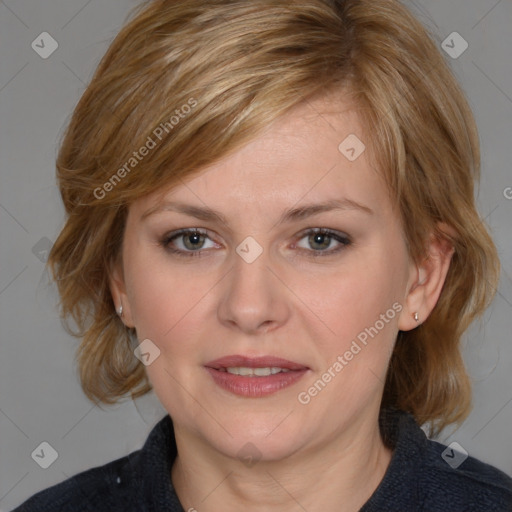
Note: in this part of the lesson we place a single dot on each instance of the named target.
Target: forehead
(307, 155)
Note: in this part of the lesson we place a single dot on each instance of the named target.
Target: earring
(120, 310)
(416, 317)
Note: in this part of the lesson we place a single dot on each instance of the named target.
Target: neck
(339, 474)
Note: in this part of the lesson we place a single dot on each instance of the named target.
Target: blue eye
(194, 242)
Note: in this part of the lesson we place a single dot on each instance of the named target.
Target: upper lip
(235, 361)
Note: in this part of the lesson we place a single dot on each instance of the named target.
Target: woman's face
(299, 261)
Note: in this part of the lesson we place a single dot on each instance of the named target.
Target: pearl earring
(416, 317)
(120, 310)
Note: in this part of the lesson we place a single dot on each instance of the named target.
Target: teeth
(255, 372)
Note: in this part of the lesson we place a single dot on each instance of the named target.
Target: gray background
(40, 398)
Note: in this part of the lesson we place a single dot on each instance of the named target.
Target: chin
(257, 438)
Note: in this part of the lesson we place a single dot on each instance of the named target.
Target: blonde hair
(239, 66)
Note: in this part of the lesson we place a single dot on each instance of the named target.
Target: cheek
(360, 302)
(162, 296)
(166, 305)
(360, 291)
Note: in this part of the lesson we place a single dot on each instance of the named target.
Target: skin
(324, 455)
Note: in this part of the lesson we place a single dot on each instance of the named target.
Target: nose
(253, 299)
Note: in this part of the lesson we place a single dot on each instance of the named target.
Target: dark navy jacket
(420, 478)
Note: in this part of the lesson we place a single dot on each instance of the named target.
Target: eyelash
(343, 239)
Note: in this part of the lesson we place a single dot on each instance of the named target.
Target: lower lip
(255, 387)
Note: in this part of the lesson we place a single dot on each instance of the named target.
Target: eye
(187, 242)
(194, 242)
(323, 242)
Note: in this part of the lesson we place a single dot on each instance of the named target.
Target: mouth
(254, 372)
(254, 377)
(229, 362)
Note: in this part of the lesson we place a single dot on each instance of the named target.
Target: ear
(118, 290)
(427, 279)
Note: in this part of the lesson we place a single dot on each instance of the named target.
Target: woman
(271, 223)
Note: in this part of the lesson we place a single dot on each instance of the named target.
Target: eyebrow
(293, 214)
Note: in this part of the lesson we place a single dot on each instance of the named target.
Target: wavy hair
(240, 65)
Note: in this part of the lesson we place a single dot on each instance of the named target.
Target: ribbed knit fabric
(418, 479)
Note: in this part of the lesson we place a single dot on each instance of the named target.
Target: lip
(254, 362)
(254, 387)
